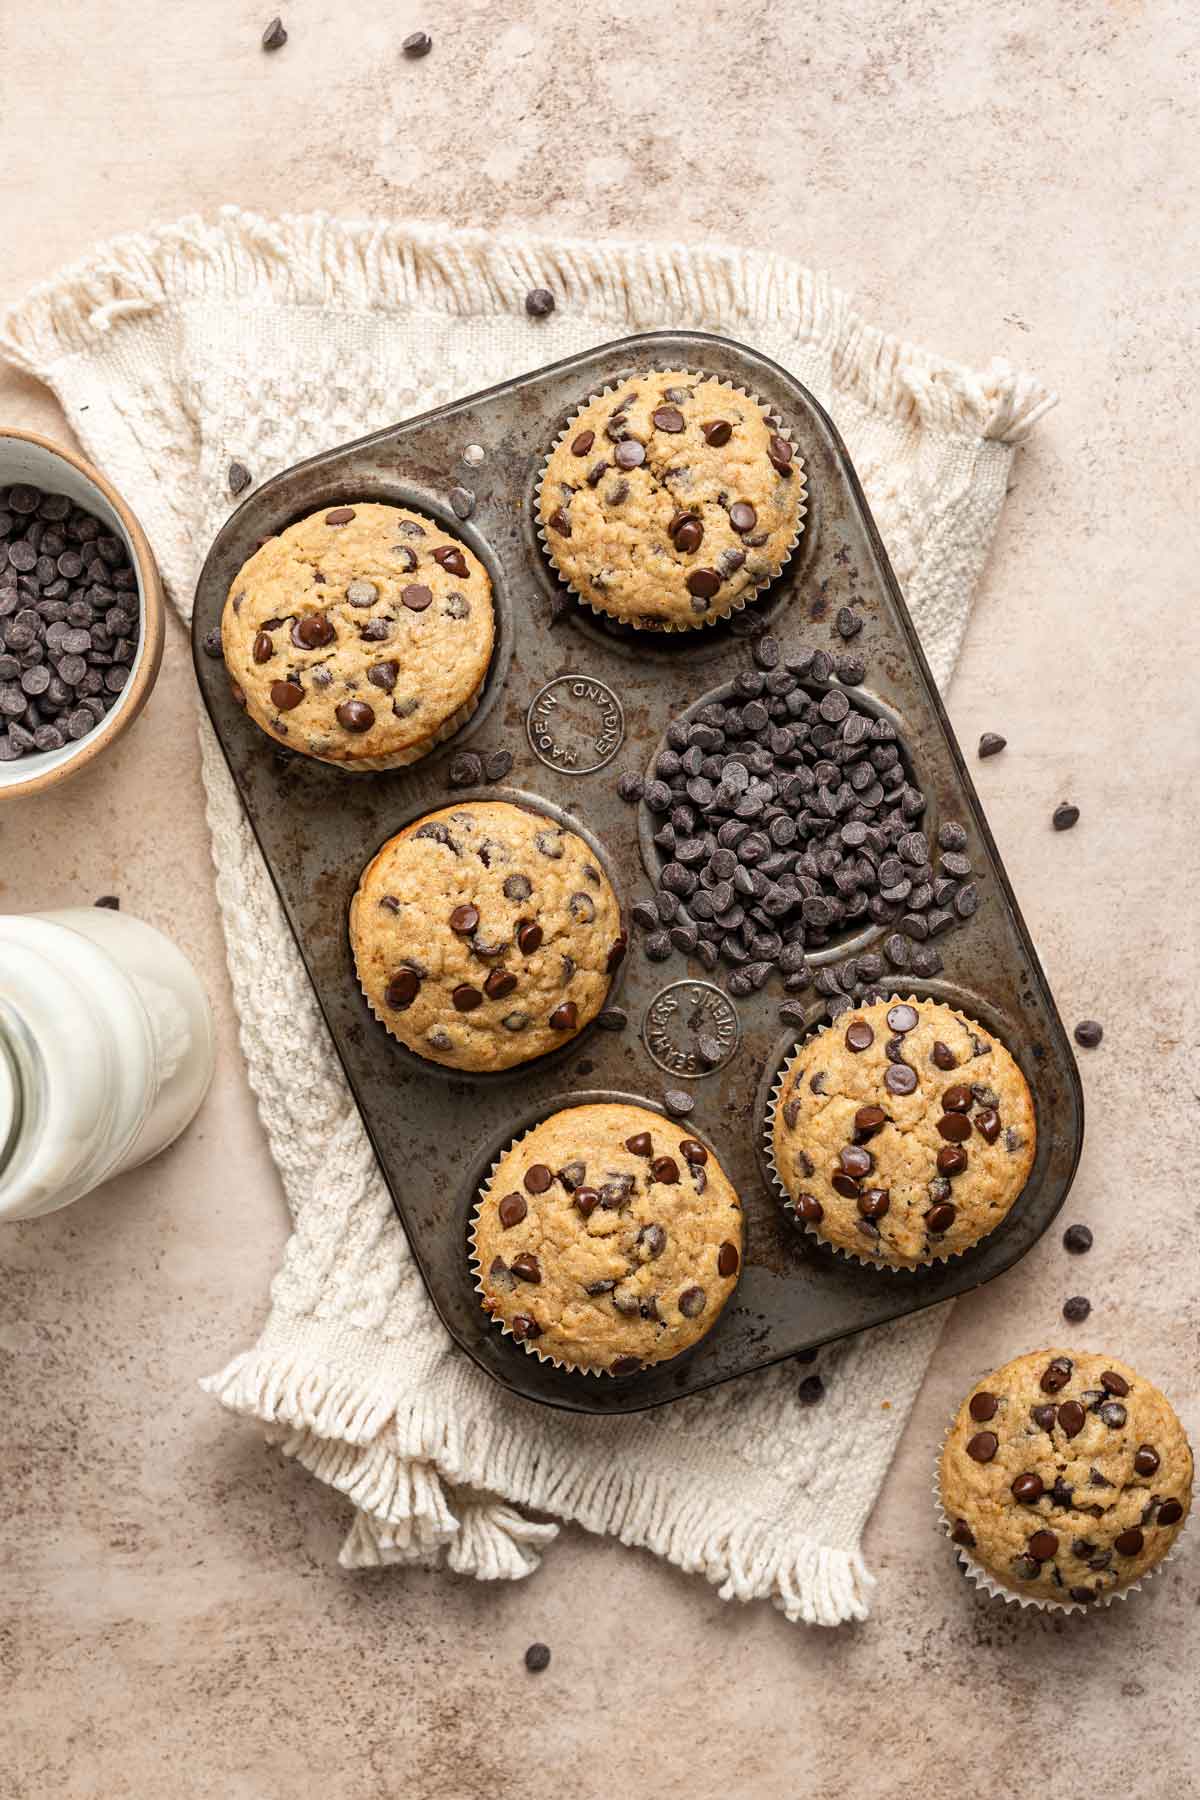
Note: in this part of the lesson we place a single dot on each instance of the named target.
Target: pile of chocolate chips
(69, 621)
(786, 817)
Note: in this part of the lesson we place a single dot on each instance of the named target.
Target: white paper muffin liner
(813, 1231)
(750, 593)
(531, 1344)
(996, 1589)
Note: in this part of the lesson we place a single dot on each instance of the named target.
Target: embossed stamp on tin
(576, 724)
(691, 1028)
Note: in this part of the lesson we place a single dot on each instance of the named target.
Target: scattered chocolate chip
(415, 45)
(466, 769)
(239, 477)
(539, 303)
(1064, 816)
(1076, 1309)
(1088, 1033)
(462, 502)
(991, 744)
(1077, 1239)
(811, 1390)
(273, 38)
(677, 1103)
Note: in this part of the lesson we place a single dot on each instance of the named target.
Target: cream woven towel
(268, 340)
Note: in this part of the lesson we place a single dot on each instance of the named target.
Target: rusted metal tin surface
(577, 704)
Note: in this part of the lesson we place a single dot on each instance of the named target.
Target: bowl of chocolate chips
(81, 614)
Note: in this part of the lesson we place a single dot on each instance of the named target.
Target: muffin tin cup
(566, 1102)
(668, 627)
(996, 1589)
(577, 705)
(785, 1199)
(555, 816)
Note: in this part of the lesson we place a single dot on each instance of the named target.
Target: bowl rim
(153, 624)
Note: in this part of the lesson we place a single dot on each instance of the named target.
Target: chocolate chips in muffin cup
(70, 621)
(787, 815)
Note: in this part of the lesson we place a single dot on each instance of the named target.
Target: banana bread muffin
(1067, 1477)
(361, 635)
(608, 1237)
(903, 1133)
(485, 935)
(670, 500)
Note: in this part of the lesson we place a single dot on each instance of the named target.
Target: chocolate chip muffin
(1065, 1477)
(361, 635)
(669, 500)
(903, 1133)
(607, 1238)
(485, 935)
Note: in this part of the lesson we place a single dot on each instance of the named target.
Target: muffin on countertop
(607, 1238)
(485, 935)
(360, 635)
(670, 500)
(1066, 1476)
(903, 1133)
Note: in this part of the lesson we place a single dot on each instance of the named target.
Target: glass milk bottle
(106, 1051)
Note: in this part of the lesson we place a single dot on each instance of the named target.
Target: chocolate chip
(982, 1406)
(1056, 1374)
(1146, 1459)
(1045, 1416)
(811, 1390)
(1088, 1033)
(902, 1017)
(664, 1169)
(668, 418)
(727, 1260)
(414, 46)
(402, 989)
(537, 1657)
(779, 452)
(526, 1267)
(341, 515)
(355, 715)
(238, 477)
(703, 583)
(677, 1103)
(951, 1159)
(466, 998)
(1113, 1414)
(1170, 1512)
(273, 38)
(629, 454)
(1112, 1383)
(583, 443)
(1064, 816)
(859, 1035)
(1071, 1416)
(898, 1078)
(808, 1208)
(716, 432)
(983, 1446)
(961, 1533)
(1027, 1489)
(286, 695)
(564, 1017)
(692, 1302)
(464, 919)
(943, 1056)
(1076, 1309)
(1043, 1545)
(539, 303)
(538, 1178)
(954, 1127)
(512, 1209)
(1077, 1239)
(991, 744)
(1129, 1543)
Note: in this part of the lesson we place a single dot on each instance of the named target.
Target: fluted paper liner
(747, 594)
(867, 1262)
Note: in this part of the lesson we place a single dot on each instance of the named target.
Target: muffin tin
(578, 703)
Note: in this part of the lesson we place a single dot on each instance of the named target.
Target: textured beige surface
(618, 528)
(1070, 1426)
(396, 647)
(624, 1252)
(815, 1136)
(488, 995)
(1012, 179)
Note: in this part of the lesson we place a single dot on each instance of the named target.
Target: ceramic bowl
(25, 457)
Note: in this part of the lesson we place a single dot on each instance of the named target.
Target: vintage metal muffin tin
(578, 703)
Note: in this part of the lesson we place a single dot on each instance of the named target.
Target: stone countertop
(1005, 180)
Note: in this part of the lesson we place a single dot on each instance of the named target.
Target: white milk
(106, 1051)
